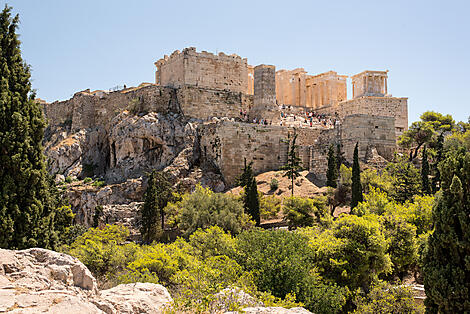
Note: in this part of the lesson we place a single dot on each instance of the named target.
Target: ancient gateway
(218, 109)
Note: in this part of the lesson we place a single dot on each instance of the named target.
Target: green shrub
(72, 233)
(353, 252)
(385, 298)
(279, 259)
(270, 206)
(376, 202)
(68, 179)
(212, 242)
(204, 208)
(281, 263)
(87, 180)
(274, 185)
(402, 244)
(305, 212)
(103, 250)
(99, 183)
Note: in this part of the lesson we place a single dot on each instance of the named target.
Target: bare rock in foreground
(39, 280)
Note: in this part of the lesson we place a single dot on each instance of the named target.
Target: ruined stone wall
(170, 70)
(226, 144)
(204, 103)
(203, 69)
(368, 131)
(378, 106)
(86, 110)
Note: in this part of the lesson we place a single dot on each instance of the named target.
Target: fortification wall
(86, 110)
(378, 106)
(205, 103)
(226, 144)
(368, 131)
(203, 69)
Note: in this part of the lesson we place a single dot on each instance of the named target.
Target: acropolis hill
(205, 113)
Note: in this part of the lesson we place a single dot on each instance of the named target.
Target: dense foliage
(30, 215)
(204, 208)
(305, 212)
(446, 261)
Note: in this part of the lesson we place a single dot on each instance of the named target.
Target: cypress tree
(150, 213)
(446, 267)
(28, 209)
(251, 201)
(250, 198)
(339, 157)
(425, 186)
(332, 172)
(356, 187)
(292, 167)
(157, 195)
(247, 174)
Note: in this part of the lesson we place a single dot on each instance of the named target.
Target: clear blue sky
(74, 45)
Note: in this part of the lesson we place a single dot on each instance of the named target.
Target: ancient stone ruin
(205, 113)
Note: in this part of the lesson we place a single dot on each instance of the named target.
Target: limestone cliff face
(152, 141)
(120, 152)
(130, 146)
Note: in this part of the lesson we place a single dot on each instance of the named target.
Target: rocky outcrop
(39, 280)
(152, 141)
(120, 153)
(228, 296)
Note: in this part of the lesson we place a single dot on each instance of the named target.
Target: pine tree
(292, 167)
(157, 195)
(332, 172)
(446, 266)
(406, 179)
(356, 186)
(250, 198)
(29, 213)
(425, 186)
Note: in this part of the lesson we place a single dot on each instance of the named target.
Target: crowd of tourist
(308, 118)
(245, 118)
